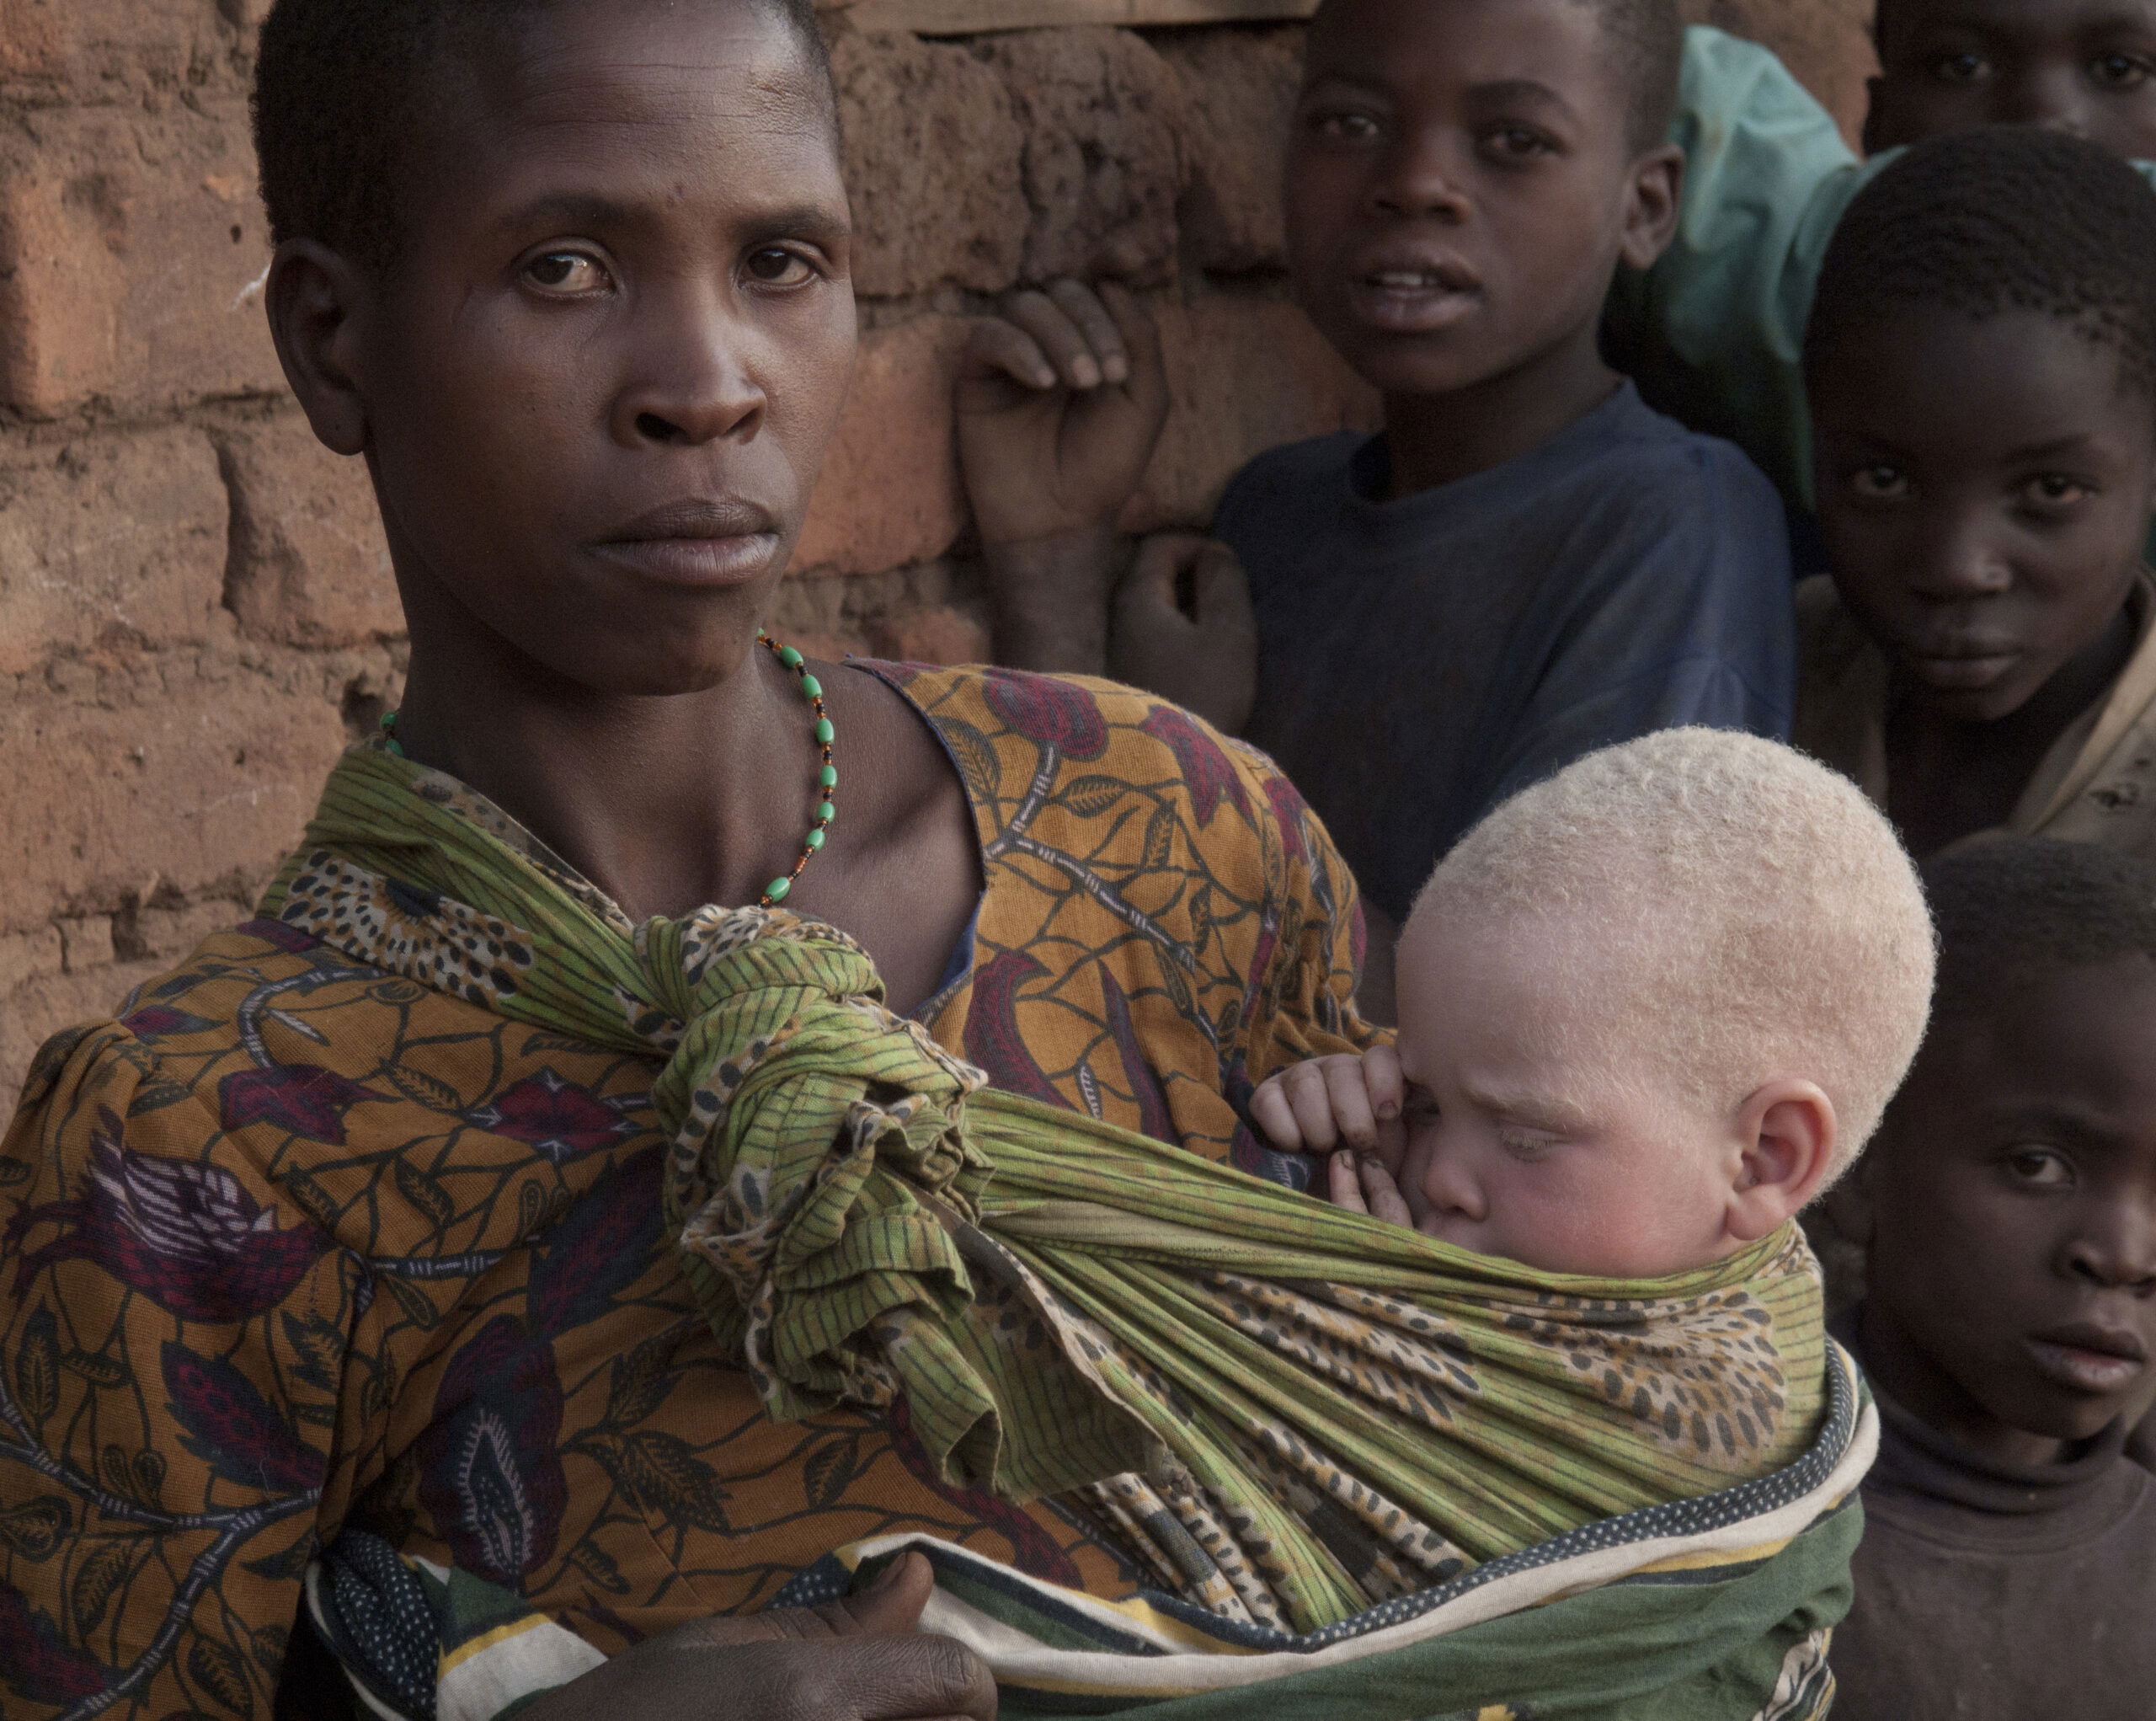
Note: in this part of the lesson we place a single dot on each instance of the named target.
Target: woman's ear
(1786, 1133)
(315, 299)
(1658, 199)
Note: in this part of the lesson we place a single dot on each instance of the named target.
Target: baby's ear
(1786, 1133)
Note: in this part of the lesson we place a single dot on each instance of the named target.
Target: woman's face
(599, 380)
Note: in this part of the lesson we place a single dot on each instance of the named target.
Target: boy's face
(2011, 1201)
(1535, 1129)
(1461, 185)
(1984, 489)
(598, 383)
(2083, 66)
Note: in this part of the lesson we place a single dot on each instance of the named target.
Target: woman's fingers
(1343, 1185)
(1059, 336)
(1085, 309)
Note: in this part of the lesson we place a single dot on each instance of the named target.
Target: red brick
(99, 48)
(943, 635)
(890, 493)
(932, 153)
(1239, 100)
(127, 242)
(309, 563)
(1826, 43)
(1103, 164)
(215, 779)
(1244, 375)
(110, 539)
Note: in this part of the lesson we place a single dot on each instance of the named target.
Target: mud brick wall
(196, 611)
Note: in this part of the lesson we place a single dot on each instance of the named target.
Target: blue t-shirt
(1421, 659)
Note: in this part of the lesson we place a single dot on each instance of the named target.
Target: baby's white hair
(1766, 920)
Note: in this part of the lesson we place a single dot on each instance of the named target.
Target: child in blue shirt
(1527, 564)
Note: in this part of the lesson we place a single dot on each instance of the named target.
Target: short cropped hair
(2015, 909)
(341, 87)
(1997, 219)
(1649, 37)
(1768, 921)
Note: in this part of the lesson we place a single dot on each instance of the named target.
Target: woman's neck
(1434, 439)
(664, 802)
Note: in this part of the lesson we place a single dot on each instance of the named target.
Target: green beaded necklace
(827, 774)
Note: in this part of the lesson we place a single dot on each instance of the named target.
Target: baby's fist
(1346, 1099)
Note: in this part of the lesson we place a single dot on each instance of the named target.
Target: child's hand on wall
(1060, 401)
(1184, 629)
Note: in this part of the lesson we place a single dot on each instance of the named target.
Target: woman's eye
(2039, 1168)
(566, 272)
(1960, 69)
(1880, 484)
(2119, 71)
(777, 266)
(2054, 490)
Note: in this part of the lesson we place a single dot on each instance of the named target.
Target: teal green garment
(1714, 333)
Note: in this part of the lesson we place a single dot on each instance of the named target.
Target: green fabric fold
(1289, 1412)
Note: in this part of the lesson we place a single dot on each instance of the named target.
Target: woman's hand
(857, 1660)
(1061, 402)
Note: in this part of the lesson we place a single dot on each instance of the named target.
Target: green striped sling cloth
(1291, 1414)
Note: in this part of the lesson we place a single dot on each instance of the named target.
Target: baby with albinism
(1650, 1009)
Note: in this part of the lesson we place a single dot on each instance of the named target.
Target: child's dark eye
(2116, 72)
(2054, 490)
(775, 266)
(1344, 128)
(1518, 142)
(1880, 484)
(566, 273)
(2039, 1168)
(1960, 69)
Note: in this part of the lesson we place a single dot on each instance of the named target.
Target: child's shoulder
(1683, 465)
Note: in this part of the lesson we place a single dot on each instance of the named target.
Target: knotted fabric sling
(1321, 1435)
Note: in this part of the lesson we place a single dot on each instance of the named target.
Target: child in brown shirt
(1981, 364)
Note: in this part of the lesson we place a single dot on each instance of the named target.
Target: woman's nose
(694, 378)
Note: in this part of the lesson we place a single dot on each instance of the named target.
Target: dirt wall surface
(196, 610)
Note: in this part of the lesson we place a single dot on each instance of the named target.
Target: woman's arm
(175, 1346)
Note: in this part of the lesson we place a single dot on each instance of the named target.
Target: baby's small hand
(1364, 1186)
(1322, 1103)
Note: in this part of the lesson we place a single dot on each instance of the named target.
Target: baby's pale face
(1538, 1129)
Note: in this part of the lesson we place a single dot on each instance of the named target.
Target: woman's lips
(697, 541)
(694, 561)
(2088, 1362)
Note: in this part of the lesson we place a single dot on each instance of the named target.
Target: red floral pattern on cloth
(297, 1243)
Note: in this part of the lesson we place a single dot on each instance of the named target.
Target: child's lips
(1414, 298)
(2089, 1360)
(1960, 672)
